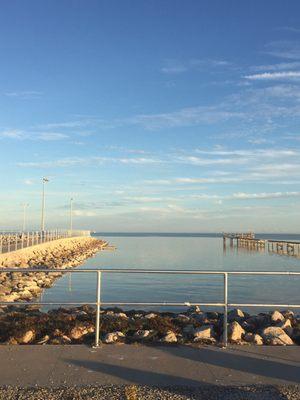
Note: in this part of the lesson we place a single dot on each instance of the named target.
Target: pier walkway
(77, 365)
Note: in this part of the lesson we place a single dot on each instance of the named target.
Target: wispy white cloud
(184, 117)
(210, 161)
(87, 161)
(284, 49)
(136, 160)
(51, 136)
(28, 182)
(277, 66)
(173, 66)
(19, 134)
(12, 134)
(264, 195)
(84, 213)
(207, 180)
(269, 152)
(284, 75)
(24, 95)
(289, 29)
(247, 196)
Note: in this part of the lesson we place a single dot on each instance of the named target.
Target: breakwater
(61, 253)
(77, 325)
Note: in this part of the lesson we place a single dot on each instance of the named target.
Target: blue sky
(152, 115)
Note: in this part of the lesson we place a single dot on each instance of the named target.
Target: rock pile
(77, 325)
(65, 253)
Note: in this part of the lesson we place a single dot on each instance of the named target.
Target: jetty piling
(249, 241)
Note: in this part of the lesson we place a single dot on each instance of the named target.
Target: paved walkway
(160, 366)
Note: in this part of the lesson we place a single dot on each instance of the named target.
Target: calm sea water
(203, 252)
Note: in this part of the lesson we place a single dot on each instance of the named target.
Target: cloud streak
(285, 75)
(178, 67)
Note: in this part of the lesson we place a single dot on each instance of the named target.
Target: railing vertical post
(225, 336)
(97, 330)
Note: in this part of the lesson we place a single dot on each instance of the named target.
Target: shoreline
(77, 326)
(58, 254)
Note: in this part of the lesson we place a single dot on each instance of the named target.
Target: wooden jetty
(284, 247)
(249, 241)
(237, 237)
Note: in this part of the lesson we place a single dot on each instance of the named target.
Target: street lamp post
(71, 216)
(44, 180)
(25, 205)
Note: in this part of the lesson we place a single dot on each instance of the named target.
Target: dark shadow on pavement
(229, 359)
(133, 375)
(184, 387)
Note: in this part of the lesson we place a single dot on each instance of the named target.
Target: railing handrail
(98, 303)
(12, 241)
(150, 271)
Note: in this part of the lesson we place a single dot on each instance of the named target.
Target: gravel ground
(150, 393)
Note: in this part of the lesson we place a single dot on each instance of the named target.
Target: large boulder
(276, 316)
(79, 331)
(205, 332)
(188, 330)
(170, 337)
(194, 309)
(286, 326)
(27, 337)
(235, 315)
(253, 338)
(276, 336)
(143, 334)
(236, 332)
(150, 316)
(113, 337)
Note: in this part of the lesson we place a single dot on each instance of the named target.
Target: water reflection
(181, 253)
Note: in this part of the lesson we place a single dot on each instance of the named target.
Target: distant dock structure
(284, 247)
(249, 241)
(238, 238)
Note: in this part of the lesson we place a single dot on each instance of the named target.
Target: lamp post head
(45, 180)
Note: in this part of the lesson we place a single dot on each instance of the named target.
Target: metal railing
(12, 241)
(98, 303)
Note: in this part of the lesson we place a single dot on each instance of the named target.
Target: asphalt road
(172, 366)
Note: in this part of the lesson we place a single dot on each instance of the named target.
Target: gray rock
(78, 331)
(288, 314)
(193, 309)
(276, 336)
(253, 338)
(276, 316)
(203, 333)
(188, 330)
(182, 318)
(27, 337)
(143, 334)
(150, 316)
(235, 315)
(286, 326)
(121, 315)
(170, 337)
(113, 337)
(44, 340)
(236, 332)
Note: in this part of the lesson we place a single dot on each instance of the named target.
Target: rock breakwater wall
(61, 254)
(77, 325)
